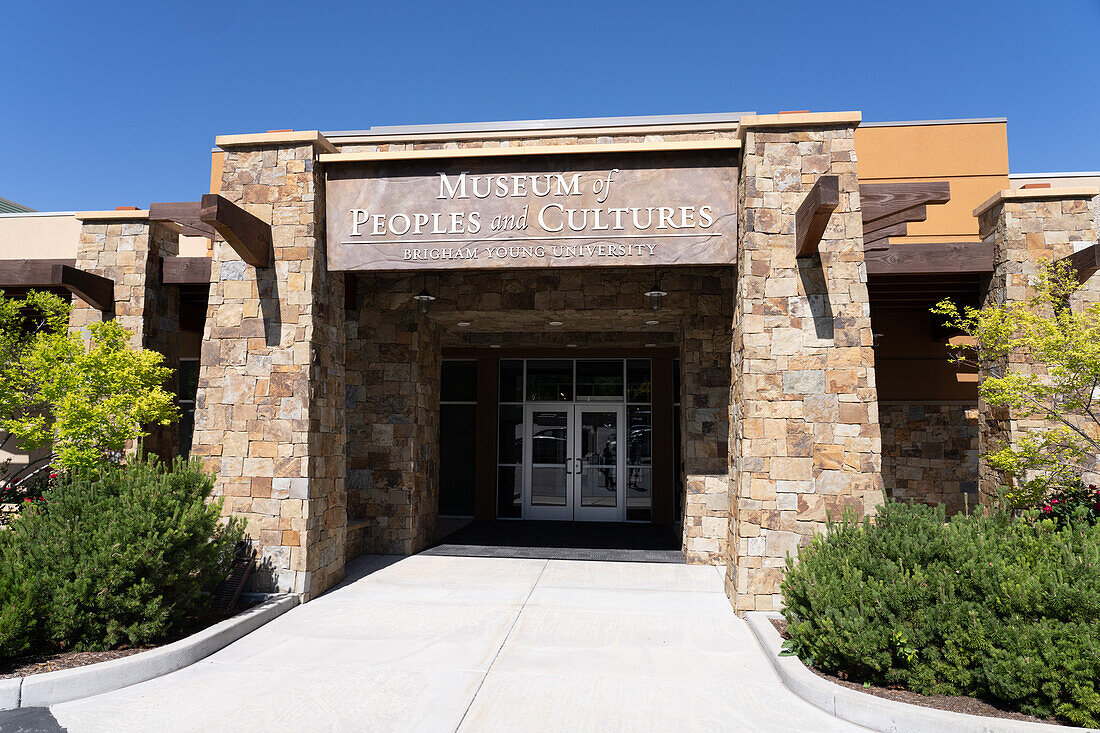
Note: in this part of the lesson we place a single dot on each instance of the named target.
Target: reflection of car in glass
(547, 446)
(638, 446)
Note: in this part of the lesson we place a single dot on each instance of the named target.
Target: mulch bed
(952, 703)
(39, 663)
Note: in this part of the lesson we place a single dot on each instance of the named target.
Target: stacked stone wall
(1025, 232)
(805, 439)
(129, 252)
(705, 426)
(268, 415)
(930, 452)
(392, 399)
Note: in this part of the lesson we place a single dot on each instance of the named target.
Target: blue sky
(109, 104)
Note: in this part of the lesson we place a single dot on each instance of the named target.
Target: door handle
(578, 460)
(568, 464)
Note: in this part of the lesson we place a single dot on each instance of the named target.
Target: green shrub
(110, 556)
(1002, 608)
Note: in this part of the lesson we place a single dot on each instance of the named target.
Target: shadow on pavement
(29, 720)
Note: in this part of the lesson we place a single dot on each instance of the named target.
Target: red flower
(1046, 509)
(53, 475)
(1053, 501)
(27, 499)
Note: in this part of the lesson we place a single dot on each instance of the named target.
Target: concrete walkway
(480, 644)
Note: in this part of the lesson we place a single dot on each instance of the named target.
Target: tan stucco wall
(194, 246)
(39, 236)
(971, 156)
(56, 236)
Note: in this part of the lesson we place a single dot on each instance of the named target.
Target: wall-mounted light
(655, 294)
(423, 298)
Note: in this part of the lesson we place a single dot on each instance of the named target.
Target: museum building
(715, 323)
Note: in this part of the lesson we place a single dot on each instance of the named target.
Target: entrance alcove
(462, 411)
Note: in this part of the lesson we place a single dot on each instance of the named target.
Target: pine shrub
(116, 555)
(989, 605)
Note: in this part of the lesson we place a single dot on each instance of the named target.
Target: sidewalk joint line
(504, 641)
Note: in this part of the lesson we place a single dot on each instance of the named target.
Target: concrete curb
(51, 688)
(874, 712)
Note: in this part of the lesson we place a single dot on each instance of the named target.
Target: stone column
(1025, 227)
(393, 405)
(805, 436)
(126, 247)
(269, 415)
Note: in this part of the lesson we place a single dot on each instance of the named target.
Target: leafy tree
(83, 400)
(1041, 359)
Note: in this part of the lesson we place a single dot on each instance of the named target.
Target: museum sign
(533, 211)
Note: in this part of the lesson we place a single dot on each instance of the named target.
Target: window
(599, 380)
(510, 440)
(457, 437)
(639, 440)
(549, 380)
(188, 390)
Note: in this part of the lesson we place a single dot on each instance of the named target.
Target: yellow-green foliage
(85, 400)
(1061, 346)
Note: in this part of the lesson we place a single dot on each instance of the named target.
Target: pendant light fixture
(655, 294)
(424, 298)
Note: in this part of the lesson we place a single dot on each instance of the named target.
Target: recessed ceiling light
(555, 323)
(464, 323)
(650, 346)
(651, 323)
(570, 346)
(494, 346)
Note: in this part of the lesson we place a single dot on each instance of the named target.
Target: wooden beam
(916, 213)
(813, 214)
(947, 257)
(187, 215)
(248, 235)
(916, 287)
(878, 239)
(1085, 261)
(95, 290)
(186, 271)
(888, 208)
(877, 200)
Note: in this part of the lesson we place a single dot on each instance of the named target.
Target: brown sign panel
(609, 210)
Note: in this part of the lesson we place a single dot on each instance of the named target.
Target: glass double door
(573, 462)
